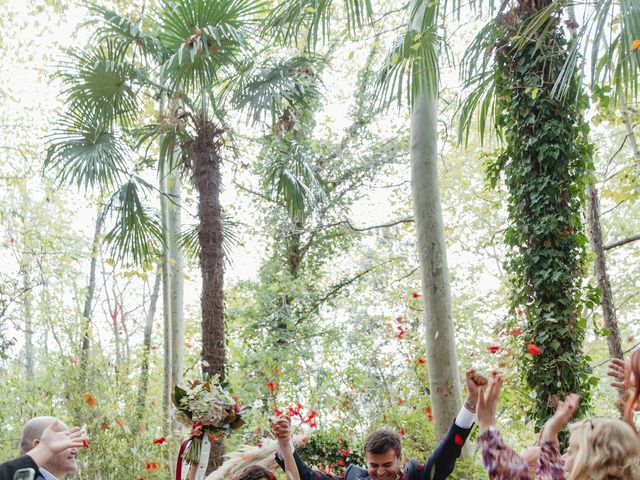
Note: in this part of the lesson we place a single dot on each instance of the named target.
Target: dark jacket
(7, 469)
(438, 467)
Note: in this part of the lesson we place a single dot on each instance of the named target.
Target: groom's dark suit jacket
(438, 467)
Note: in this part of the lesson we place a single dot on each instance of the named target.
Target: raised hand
(281, 428)
(487, 401)
(473, 381)
(55, 440)
(564, 413)
(617, 370)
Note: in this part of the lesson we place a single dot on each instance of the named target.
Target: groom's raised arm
(443, 459)
(282, 431)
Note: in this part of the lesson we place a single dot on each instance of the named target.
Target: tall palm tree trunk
(207, 180)
(438, 313)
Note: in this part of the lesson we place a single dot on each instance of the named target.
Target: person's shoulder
(355, 472)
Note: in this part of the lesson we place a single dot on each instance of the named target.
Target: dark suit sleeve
(7, 469)
(443, 459)
(306, 473)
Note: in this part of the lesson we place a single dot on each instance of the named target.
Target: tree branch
(354, 228)
(624, 241)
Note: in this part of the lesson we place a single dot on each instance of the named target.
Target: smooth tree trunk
(176, 275)
(88, 302)
(27, 311)
(170, 424)
(146, 348)
(438, 313)
(167, 402)
(207, 180)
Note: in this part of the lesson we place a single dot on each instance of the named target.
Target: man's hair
(382, 440)
(33, 431)
(256, 472)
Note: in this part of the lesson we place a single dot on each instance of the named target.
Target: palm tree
(191, 57)
(529, 84)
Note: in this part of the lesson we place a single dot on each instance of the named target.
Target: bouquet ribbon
(196, 432)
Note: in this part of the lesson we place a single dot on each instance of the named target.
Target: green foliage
(329, 451)
(545, 165)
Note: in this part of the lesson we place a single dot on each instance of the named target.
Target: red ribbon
(196, 431)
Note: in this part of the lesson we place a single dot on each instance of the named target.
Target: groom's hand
(281, 428)
(473, 381)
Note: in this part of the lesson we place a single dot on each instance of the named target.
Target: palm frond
(284, 82)
(190, 243)
(137, 233)
(411, 66)
(616, 64)
(479, 96)
(123, 33)
(85, 151)
(205, 39)
(103, 80)
(292, 20)
(290, 174)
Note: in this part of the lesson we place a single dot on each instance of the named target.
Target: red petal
(458, 439)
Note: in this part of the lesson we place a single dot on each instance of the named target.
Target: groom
(383, 453)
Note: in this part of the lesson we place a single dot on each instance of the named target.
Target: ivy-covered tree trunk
(438, 312)
(207, 180)
(545, 165)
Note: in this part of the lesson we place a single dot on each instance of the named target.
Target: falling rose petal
(533, 349)
(416, 295)
(458, 439)
(151, 466)
(271, 385)
(403, 432)
(159, 441)
(399, 319)
(516, 332)
(421, 361)
(494, 348)
(85, 444)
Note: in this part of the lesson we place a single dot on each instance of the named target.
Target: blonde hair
(607, 449)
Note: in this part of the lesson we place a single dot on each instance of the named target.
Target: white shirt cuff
(465, 418)
(279, 450)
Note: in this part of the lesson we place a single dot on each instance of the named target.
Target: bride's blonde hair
(607, 449)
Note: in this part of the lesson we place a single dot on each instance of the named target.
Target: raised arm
(288, 458)
(501, 461)
(442, 461)
(282, 431)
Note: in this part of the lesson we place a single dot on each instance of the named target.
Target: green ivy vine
(545, 166)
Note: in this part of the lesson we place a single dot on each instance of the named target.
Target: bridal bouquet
(208, 408)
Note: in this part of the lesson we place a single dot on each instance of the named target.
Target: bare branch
(624, 241)
(354, 228)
